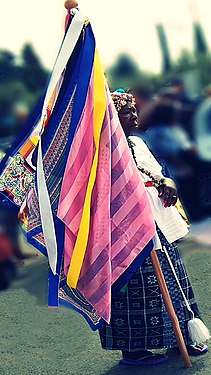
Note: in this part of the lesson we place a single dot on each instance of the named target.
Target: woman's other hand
(167, 191)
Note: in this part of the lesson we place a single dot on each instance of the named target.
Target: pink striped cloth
(121, 219)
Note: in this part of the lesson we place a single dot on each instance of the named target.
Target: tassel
(197, 330)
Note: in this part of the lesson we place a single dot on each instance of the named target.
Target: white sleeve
(144, 157)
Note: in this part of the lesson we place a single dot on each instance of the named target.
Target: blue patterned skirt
(139, 320)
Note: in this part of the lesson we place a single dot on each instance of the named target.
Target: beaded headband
(120, 99)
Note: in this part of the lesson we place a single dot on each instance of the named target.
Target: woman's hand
(167, 191)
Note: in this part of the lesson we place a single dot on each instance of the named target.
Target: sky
(119, 25)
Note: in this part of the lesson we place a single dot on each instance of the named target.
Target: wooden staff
(170, 308)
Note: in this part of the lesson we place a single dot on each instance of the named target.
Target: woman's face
(128, 118)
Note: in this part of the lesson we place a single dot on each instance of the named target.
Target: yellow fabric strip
(52, 98)
(98, 116)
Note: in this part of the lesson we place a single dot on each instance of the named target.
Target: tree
(124, 71)
(164, 48)
(21, 80)
(34, 74)
(200, 45)
(8, 67)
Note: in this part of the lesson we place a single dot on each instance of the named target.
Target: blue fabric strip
(125, 277)
(83, 80)
(84, 75)
(53, 280)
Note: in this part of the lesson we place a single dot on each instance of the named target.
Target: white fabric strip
(43, 196)
(65, 52)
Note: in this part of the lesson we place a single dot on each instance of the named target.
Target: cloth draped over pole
(72, 179)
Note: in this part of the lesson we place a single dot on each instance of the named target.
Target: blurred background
(159, 50)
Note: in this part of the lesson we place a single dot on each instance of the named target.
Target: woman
(139, 320)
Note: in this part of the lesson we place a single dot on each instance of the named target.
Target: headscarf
(120, 99)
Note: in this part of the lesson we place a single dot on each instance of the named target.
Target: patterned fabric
(139, 320)
(73, 299)
(16, 179)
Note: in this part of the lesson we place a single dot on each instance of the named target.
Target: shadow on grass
(173, 366)
(33, 277)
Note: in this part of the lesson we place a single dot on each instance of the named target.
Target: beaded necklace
(153, 180)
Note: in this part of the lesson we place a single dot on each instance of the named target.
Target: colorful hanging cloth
(80, 197)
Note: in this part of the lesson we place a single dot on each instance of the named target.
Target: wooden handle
(170, 308)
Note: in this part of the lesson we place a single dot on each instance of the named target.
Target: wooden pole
(170, 308)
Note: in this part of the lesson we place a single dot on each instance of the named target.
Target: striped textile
(121, 222)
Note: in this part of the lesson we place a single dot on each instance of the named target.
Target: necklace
(154, 180)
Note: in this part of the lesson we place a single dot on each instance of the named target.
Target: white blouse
(167, 219)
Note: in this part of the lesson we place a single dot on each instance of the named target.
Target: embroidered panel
(16, 179)
(52, 164)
